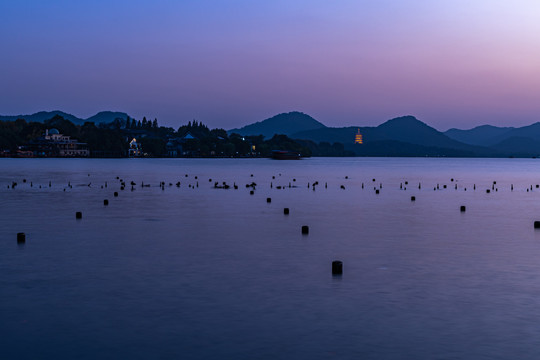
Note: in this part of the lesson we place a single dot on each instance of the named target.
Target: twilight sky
(451, 63)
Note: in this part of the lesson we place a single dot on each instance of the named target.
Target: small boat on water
(285, 155)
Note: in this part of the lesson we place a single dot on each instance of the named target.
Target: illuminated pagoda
(358, 138)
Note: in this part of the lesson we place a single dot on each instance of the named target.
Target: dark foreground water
(203, 273)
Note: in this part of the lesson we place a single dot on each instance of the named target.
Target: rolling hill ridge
(284, 124)
(408, 136)
(100, 117)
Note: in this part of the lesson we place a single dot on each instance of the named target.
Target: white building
(55, 144)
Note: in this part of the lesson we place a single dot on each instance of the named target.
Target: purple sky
(451, 63)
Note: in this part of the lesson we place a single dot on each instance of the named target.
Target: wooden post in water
(337, 267)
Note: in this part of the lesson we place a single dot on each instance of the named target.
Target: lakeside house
(176, 146)
(54, 144)
(135, 149)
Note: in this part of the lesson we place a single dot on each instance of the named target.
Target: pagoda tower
(358, 138)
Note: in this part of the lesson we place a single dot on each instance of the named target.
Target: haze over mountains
(402, 136)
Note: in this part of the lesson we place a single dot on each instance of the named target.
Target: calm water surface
(201, 273)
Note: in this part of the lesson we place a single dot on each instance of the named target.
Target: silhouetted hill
(286, 124)
(42, 116)
(411, 130)
(507, 139)
(406, 129)
(407, 133)
(485, 135)
(107, 117)
(519, 147)
(531, 131)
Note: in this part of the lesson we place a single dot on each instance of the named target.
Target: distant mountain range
(402, 136)
(484, 135)
(520, 141)
(101, 117)
(406, 136)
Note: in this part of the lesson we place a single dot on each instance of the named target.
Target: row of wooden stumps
(337, 265)
(402, 185)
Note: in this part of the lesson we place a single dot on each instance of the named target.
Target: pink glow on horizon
(347, 63)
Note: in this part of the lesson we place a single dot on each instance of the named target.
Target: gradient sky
(451, 63)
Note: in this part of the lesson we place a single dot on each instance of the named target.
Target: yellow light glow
(358, 138)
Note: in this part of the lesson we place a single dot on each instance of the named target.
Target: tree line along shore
(144, 138)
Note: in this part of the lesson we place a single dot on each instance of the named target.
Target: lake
(198, 272)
